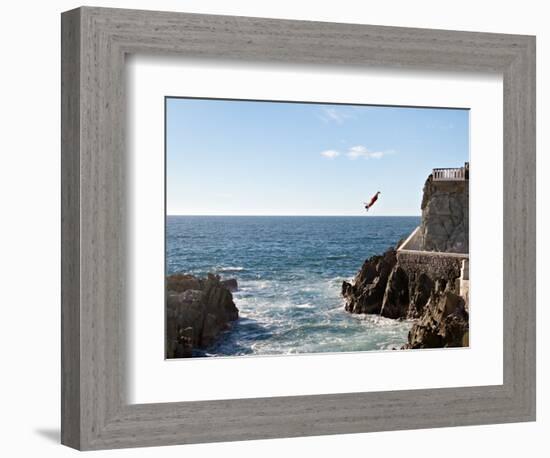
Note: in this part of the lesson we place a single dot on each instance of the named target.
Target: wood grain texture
(70, 229)
(96, 414)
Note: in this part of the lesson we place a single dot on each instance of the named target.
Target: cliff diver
(372, 201)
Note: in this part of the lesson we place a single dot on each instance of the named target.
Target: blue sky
(267, 158)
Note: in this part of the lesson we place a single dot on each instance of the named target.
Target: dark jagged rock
(366, 293)
(443, 324)
(182, 282)
(380, 287)
(396, 297)
(197, 310)
(420, 292)
(231, 284)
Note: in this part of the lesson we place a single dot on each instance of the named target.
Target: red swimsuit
(371, 203)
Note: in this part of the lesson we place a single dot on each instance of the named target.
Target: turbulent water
(290, 270)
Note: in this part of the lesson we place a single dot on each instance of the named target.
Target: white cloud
(330, 154)
(358, 151)
(337, 115)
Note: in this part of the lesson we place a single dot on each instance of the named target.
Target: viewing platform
(452, 174)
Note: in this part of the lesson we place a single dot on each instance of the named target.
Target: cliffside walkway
(434, 263)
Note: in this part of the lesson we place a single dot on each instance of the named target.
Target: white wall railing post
(450, 174)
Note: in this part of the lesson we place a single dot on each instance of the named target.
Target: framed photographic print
(235, 237)
(284, 228)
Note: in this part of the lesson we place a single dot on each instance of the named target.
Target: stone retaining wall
(434, 264)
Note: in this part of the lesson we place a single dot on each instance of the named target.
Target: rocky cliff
(445, 216)
(197, 310)
(414, 284)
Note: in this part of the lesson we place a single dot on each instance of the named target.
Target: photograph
(298, 227)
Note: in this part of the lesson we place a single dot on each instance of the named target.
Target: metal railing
(454, 174)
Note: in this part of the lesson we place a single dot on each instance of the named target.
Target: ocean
(290, 271)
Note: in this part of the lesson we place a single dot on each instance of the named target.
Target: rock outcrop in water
(444, 322)
(366, 294)
(231, 284)
(197, 310)
(383, 287)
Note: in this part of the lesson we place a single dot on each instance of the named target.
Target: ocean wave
(307, 305)
(255, 285)
(229, 269)
(381, 321)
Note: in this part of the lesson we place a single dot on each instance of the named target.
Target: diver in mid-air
(372, 201)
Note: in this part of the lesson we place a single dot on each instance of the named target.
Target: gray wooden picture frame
(95, 412)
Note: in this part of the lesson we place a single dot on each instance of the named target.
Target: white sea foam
(229, 269)
(307, 305)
